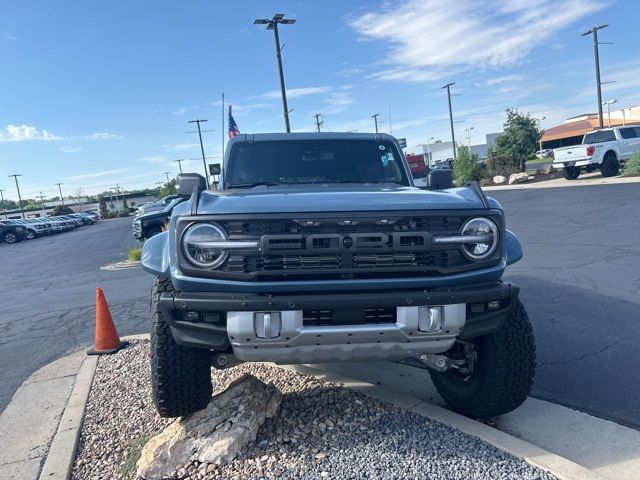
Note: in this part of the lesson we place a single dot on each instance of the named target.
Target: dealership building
(573, 129)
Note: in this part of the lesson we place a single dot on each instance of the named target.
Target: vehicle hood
(151, 215)
(333, 198)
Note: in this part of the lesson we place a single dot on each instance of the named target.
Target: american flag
(233, 126)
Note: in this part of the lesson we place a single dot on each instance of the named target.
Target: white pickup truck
(605, 149)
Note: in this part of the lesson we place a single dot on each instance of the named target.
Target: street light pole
(608, 103)
(318, 122)
(375, 120)
(167, 175)
(2, 201)
(204, 161)
(272, 24)
(596, 54)
(179, 164)
(15, 177)
(539, 119)
(468, 130)
(60, 190)
(429, 149)
(453, 135)
(41, 197)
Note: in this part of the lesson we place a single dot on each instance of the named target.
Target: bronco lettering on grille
(349, 243)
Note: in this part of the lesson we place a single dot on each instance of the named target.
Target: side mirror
(440, 178)
(187, 182)
(215, 169)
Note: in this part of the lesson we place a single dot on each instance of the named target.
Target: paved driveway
(47, 303)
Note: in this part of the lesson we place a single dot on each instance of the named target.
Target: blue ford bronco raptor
(318, 248)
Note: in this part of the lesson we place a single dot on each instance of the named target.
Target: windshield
(599, 137)
(171, 204)
(315, 161)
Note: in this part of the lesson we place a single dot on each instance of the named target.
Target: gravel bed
(322, 430)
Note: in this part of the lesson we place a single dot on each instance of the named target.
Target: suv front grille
(345, 246)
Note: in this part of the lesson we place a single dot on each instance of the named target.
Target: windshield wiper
(254, 184)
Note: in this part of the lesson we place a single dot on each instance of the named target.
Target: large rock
(520, 178)
(215, 434)
(498, 179)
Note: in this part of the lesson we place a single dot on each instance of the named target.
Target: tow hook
(440, 363)
(220, 361)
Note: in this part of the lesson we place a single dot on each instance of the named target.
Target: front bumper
(233, 325)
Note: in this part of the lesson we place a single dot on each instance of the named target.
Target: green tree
(62, 210)
(102, 206)
(8, 205)
(519, 140)
(168, 188)
(465, 166)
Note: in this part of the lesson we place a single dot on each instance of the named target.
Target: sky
(94, 94)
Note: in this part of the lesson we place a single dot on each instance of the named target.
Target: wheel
(10, 237)
(180, 376)
(31, 235)
(502, 370)
(610, 166)
(571, 173)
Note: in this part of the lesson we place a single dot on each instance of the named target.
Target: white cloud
(153, 159)
(181, 147)
(8, 36)
(25, 133)
(97, 174)
(294, 93)
(70, 149)
(500, 80)
(104, 136)
(180, 111)
(476, 35)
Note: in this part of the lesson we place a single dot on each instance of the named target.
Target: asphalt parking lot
(580, 280)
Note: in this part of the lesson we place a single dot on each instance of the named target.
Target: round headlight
(196, 245)
(487, 233)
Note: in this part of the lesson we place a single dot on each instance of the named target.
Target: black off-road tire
(610, 166)
(180, 376)
(571, 173)
(503, 374)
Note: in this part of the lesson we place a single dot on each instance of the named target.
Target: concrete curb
(62, 451)
(561, 467)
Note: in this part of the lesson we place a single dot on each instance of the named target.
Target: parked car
(151, 223)
(12, 233)
(546, 153)
(319, 248)
(31, 231)
(156, 206)
(604, 149)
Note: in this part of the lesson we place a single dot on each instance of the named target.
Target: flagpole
(223, 132)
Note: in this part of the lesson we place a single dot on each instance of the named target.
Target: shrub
(135, 254)
(124, 213)
(465, 168)
(632, 166)
(503, 165)
(61, 210)
(112, 214)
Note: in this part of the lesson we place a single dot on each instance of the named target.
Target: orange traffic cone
(107, 339)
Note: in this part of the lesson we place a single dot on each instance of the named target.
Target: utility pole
(41, 197)
(375, 120)
(608, 103)
(117, 189)
(594, 33)
(60, 190)
(272, 24)
(318, 122)
(4, 210)
(15, 177)
(167, 174)
(453, 135)
(179, 162)
(204, 162)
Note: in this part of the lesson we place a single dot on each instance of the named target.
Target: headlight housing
(196, 250)
(483, 229)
